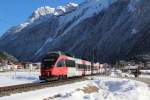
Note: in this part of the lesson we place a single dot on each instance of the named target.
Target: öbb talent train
(56, 65)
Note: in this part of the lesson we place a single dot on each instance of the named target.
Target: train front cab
(53, 67)
(47, 66)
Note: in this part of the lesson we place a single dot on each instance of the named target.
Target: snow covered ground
(14, 78)
(145, 71)
(113, 73)
(101, 88)
(145, 76)
(124, 74)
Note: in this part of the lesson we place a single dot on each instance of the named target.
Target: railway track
(8, 90)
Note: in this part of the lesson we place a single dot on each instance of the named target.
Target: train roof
(70, 56)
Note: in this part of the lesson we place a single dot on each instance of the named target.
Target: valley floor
(99, 88)
(18, 77)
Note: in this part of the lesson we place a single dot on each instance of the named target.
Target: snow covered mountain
(4, 57)
(114, 29)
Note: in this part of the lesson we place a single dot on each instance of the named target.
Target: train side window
(81, 66)
(70, 63)
(60, 63)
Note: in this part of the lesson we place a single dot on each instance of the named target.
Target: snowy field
(145, 71)
(144, 76)
(101, 88)
(14, 78)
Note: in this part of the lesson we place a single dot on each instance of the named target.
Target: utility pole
(93, 60)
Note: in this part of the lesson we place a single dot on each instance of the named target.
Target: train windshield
(50, 60)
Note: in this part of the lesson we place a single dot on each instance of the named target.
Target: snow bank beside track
(15, 78)
(100, 88)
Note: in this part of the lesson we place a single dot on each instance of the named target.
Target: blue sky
(14, 12)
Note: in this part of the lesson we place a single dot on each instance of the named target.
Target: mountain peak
(66, 8)
(42, 11)
(47, 10)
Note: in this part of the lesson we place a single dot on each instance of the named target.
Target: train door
(61, 68)
(71, 68)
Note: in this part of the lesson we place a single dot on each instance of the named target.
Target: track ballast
(8, 90)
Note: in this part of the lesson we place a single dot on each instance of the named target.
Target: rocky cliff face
(113, 29)
(5, 57)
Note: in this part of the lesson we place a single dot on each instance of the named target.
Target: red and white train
(57, 65)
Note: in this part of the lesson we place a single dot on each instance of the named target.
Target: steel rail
(8, 90)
